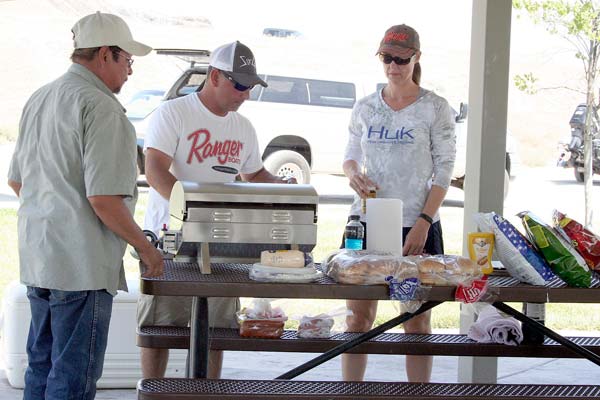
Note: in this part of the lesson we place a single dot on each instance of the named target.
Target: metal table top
(232, 280)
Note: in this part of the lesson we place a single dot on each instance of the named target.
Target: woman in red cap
(401, 142)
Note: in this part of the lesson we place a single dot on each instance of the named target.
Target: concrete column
(486, 139)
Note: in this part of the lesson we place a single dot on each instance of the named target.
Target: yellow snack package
(481, 246)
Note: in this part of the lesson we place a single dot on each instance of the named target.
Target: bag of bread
(558, 252)
(518, 256)
(582, 239)
(261, 320)
(446, 270)
(367, 267)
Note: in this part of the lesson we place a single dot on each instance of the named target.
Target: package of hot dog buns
(366, 267)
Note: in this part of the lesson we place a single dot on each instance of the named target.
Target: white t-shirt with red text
(204, 147)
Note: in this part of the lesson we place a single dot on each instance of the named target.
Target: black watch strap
(426, 218)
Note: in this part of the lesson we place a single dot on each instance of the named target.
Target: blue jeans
(66, 343)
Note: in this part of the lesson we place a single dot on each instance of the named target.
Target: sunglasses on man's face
(236, 85)
(387, 59)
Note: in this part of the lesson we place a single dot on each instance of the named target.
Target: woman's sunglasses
(387, 59)
(236, 85)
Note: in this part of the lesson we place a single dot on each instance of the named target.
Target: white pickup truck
(301, 123)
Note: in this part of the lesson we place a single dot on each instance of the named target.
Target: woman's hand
(416, 238)
(361, 184)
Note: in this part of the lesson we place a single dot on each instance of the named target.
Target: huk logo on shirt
(202, 148)
(398, 136)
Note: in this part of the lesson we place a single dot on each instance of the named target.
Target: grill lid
(259, 195)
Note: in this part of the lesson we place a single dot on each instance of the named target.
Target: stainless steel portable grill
(234, 222)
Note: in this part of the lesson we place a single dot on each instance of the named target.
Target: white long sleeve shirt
(406, 151)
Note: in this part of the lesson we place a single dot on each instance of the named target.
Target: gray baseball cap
(236, 59)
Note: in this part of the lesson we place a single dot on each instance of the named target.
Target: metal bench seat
(387, 343)
(176, 389)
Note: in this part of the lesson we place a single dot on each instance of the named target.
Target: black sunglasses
(236, 85)
(387, 59)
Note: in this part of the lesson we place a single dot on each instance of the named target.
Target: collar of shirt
(89, 76)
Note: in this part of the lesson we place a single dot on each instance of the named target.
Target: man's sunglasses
(387, 59)
(236, 85)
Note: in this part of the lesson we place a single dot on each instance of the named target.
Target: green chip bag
(562, 257)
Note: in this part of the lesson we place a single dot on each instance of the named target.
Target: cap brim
(136, 48)
(387, 47)
(247, 80)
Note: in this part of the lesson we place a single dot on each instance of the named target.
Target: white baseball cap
(99, 29)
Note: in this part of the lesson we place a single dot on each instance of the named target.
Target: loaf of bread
(368, 268)
(446, 270)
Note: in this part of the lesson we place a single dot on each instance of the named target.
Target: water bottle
(537, 312)
(354, 233)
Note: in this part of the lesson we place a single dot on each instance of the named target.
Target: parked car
(301, 123)
(283, 33)
(512, 159)
(138, 109)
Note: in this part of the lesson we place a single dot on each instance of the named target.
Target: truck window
(331, 94)
(283, 89)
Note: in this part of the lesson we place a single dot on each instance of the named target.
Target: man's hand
(152, 260)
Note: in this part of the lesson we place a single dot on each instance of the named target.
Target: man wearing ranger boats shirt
(200, 138)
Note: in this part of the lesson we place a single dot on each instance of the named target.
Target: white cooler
(122, 360)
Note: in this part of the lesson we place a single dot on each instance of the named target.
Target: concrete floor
(263, 365)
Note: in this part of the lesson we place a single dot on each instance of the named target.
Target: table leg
(582, 351)
(336, 351)
(198, 352)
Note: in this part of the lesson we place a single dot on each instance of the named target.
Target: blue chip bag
(518, 256)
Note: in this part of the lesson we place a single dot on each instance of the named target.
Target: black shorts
(433, 245)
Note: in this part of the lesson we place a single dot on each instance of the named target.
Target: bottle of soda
(537, 312)
(354, 233)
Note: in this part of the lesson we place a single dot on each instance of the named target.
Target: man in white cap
(200, 138)
(74, 171)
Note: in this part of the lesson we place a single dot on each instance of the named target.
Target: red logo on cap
(396, 37)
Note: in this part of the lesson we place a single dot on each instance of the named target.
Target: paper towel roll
(384, 225)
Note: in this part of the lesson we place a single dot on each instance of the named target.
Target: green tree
(578, 22)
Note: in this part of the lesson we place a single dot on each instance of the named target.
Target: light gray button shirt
(74, 142)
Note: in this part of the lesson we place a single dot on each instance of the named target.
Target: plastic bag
(446, 270)
(365, 267)
(518, 256)
(322, 326)
(583, 240)
(261, 320)
(264, 273)
(559, 253)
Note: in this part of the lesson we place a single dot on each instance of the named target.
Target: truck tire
(578, 175)
(287, 162)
